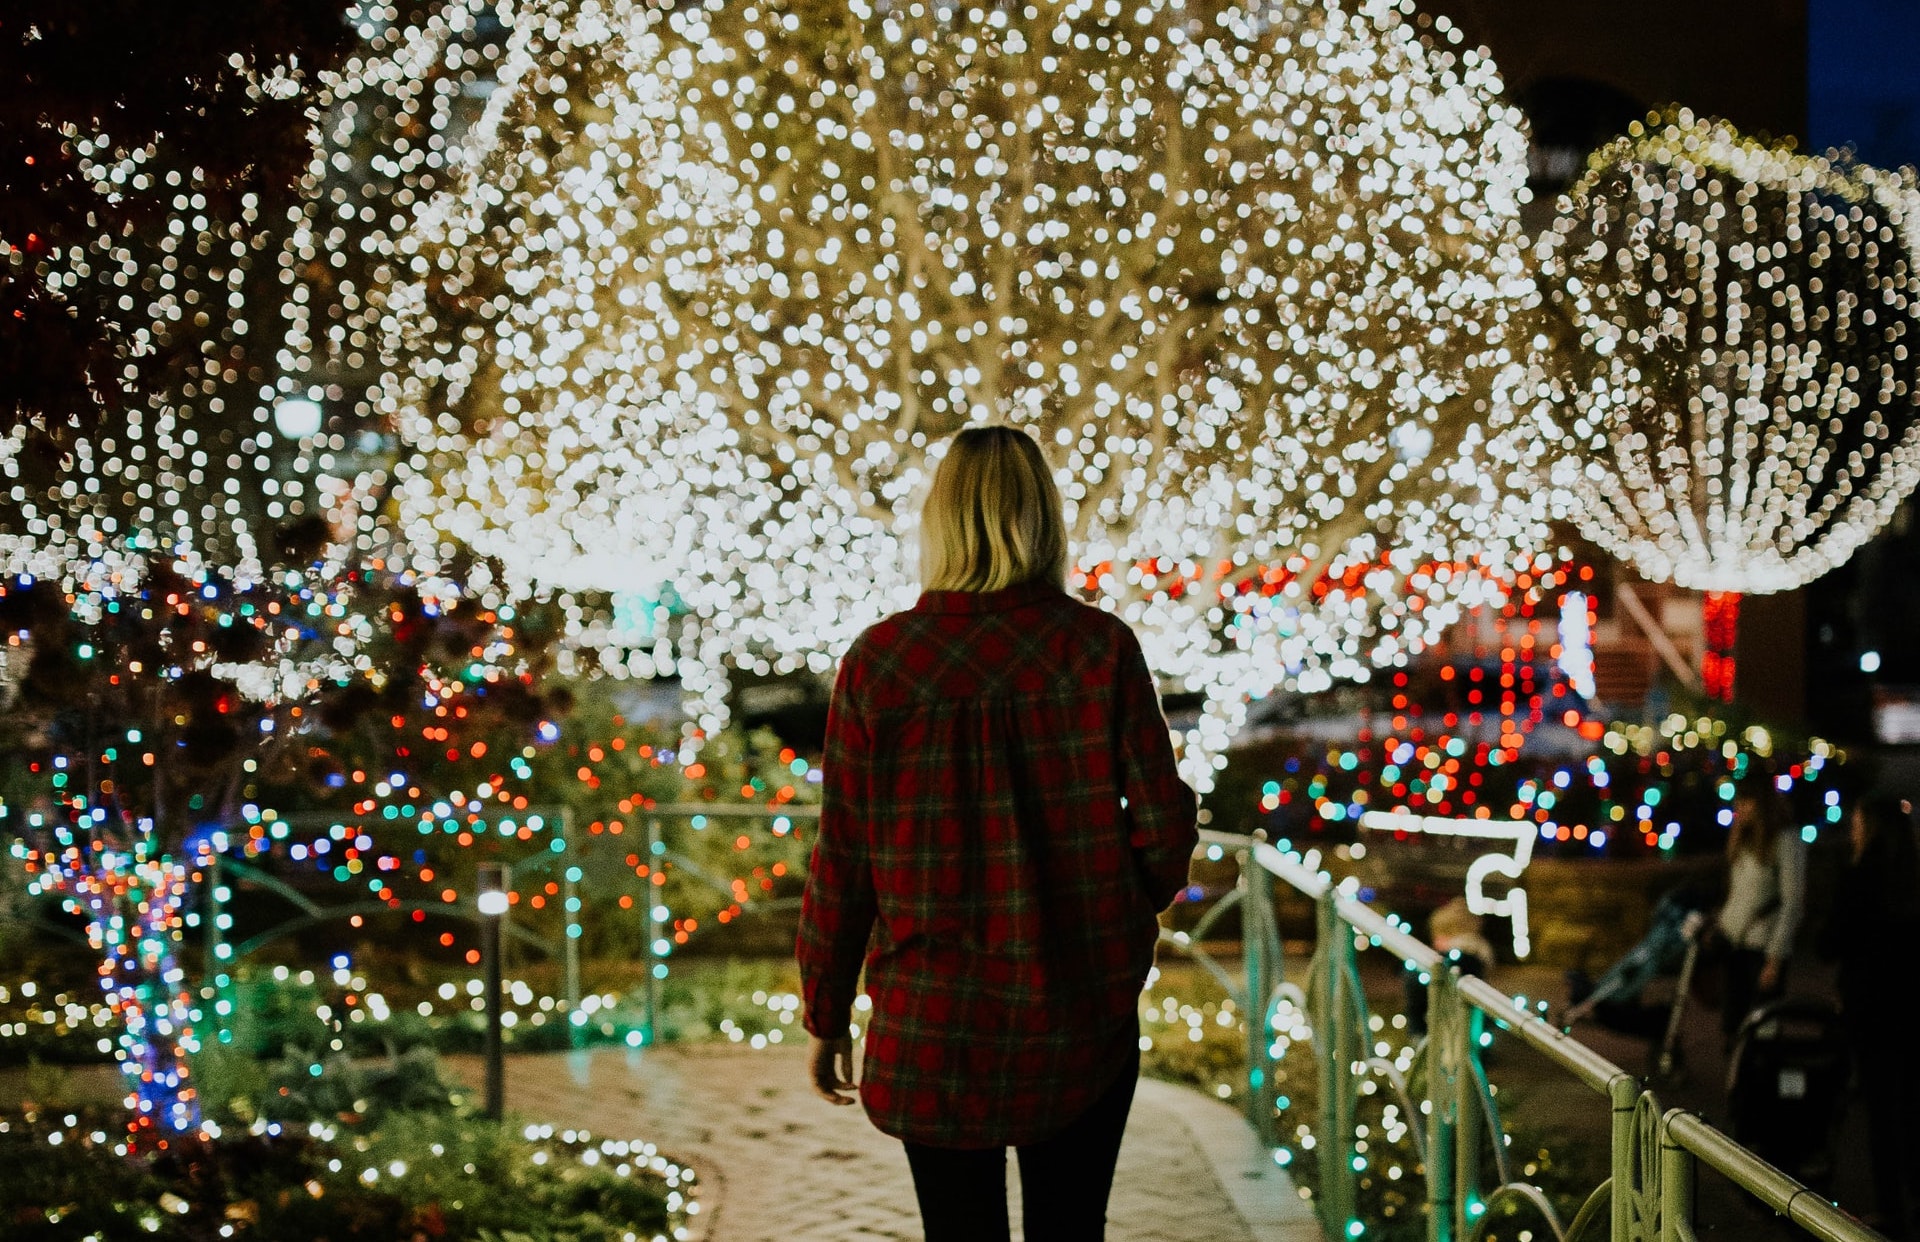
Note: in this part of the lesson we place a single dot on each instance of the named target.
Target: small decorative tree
(152, 712)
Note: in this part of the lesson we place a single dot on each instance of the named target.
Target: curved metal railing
(1653, 1153)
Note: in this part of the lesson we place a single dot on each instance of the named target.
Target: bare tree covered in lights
(187, 571)
(713, 279)
(238, 277)
(113, 110)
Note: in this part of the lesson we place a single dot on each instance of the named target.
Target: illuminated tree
(191, 464)
(187, 572)
(151, 716)
(415, 788)
(111, 109)
(712, 280)
(1735, 389)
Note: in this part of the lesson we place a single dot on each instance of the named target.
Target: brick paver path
(776, 1164)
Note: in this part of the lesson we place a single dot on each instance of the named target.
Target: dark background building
(1863, 620)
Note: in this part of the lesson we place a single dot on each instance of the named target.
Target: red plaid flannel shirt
(1001, 824)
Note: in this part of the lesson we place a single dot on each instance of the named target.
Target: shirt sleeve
(1160, 809)
(838, 908)
(1790, 856)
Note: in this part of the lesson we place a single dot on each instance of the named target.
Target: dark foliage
(218, 94)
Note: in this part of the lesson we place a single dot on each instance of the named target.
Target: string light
(1631, 796)
(333, 1150)
(1735, 396)
(197, 466)
(709, 282)
(132, 901)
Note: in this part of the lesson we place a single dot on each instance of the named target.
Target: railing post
(1442, 1100)
(1676, 1188)
(1623, 1095)
(655, 966)
(1466, 1028)
(219, 965)
(1260, 944)
(570, 948)
(1334, 1027)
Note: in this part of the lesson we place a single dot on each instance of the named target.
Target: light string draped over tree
(151, 720)
(713, 279)
(1733, 391)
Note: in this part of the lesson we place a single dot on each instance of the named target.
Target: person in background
(1000, 826)
(1455, 930)
(1766, 899)
(1874, 934)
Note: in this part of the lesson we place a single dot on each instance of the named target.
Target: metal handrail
(1800, 1204)
(1649, 1193)
(658, 947)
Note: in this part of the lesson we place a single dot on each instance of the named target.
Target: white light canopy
(710, 282)
(1735, 394)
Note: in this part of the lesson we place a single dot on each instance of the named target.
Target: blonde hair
(992, 518)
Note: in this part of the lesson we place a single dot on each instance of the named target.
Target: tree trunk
(134, 913)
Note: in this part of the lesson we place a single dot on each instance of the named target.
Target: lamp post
(656, 942)
(491, 890)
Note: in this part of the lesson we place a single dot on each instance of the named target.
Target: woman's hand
(1770, 975)
(830, 1067)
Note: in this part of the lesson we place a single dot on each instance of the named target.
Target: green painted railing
(658, 947)
(1653, 1152)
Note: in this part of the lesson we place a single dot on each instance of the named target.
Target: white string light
(711, 281)
(1736, 394)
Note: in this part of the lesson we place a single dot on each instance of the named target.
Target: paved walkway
(776, 1164)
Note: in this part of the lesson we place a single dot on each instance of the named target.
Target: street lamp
(491, 896)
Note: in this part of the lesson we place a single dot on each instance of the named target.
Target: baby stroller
(1670, 947)
(1787, 1083)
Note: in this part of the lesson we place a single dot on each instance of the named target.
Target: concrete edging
(1261, 1192)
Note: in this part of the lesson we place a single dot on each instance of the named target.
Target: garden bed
(331, 1151)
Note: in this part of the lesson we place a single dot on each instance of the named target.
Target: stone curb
(1262, 1193)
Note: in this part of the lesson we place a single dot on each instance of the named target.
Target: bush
(425, 1175)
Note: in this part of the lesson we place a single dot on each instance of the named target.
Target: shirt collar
(986, 601)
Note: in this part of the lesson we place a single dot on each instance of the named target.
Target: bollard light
(490, 888)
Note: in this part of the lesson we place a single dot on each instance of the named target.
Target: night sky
(1864, 78)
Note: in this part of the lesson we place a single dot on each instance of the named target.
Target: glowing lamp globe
(1736, 397)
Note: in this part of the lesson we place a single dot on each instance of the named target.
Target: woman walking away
(1766, 897)
(1873, 933)
(1001, 823)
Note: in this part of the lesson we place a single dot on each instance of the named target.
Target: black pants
(1879, 1028)
(1064, 1180)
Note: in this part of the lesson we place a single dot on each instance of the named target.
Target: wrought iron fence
(1456, 1124)
(658, 946)
(563, 860)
